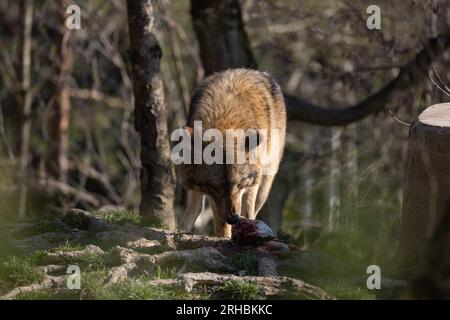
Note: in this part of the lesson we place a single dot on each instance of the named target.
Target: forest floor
(121, 257)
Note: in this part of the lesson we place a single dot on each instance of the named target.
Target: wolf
(243, 100)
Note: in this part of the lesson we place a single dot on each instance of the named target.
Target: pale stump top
(438, 115)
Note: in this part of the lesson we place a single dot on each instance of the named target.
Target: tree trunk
(57, 163)
(335, 176)
(308, 178)
(25, 76)
(157, 173)
(351, 174)
(220, 31)
(427, 181)
(433, 280)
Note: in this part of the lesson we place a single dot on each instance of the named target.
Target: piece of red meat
(247, 232)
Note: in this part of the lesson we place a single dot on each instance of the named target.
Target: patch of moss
(146, 222)
(238, 290)
(245, 261)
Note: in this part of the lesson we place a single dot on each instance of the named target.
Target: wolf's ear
(189, 130)
(252, 139)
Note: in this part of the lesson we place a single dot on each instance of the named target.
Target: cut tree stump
(433, 280)
(427, 181)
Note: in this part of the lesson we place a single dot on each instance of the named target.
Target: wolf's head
(226, 168)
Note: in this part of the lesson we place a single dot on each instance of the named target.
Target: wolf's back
(238, 99)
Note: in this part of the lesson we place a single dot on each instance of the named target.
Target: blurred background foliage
(345, 183)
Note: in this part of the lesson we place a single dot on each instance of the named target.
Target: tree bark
(433, 280)
(427, 181)
(222, 39)
(157, 173)
(335, 177)
(224, 44)
(25, 78)
(57, 163)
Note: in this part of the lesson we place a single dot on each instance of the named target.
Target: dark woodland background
(69, 136)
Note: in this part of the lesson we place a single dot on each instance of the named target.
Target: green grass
(345, 288)
(67, 247)
(91, 262)
(118, 217)
(50, 295)
(137, 290)
(245, 261)
(34, 295)
(163, 273)
(344, 291)
(93, 287)
(126, 216)
(38, 257)
(92, 284)
(238, 290)
(19, 271)
(86, 261)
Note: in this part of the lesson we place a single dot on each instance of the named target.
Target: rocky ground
(120, 257)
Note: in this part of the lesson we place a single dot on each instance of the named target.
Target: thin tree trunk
(335, 174)
(308, 178)
(352, 178)
(25, 75)
(157, 172)
(57, 163)
(176, 53)
(427, 181)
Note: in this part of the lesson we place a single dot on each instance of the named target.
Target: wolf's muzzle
(233, 219)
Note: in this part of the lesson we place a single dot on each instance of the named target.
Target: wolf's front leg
(249, 202)
(221, 228)
(194, 207)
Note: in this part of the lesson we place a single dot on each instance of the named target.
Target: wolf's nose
(233, 219)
